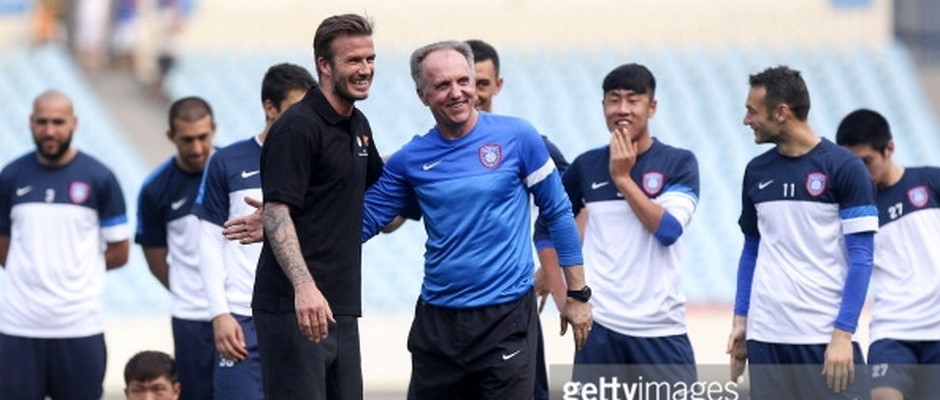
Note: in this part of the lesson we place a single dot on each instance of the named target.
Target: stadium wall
(592, 24)
(536, 24)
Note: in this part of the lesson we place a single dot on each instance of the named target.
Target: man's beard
(341, 90)
(57, 153)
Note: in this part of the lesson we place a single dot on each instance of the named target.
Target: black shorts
(294, 367)
(475, 353)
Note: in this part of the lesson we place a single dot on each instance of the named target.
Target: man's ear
(270, 109)
(323, 66)
(781, 112)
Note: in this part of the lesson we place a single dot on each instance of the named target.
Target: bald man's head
(52, 123)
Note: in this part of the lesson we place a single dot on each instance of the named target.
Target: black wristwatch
(582, 295)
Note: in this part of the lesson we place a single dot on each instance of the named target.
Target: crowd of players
(259, 243)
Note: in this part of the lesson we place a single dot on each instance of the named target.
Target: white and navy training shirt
(165, 219)
(635, 274)
(906, 277)
(473, 193)
(798, 217)
(228, 267)
(58, 220)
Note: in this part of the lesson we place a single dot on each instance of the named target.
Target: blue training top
(473, 193)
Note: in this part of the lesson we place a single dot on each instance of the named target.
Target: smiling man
(808, 218)
(640, 195)
(474, 331)
(316, 163)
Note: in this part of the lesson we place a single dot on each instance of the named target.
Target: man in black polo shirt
(315, 165)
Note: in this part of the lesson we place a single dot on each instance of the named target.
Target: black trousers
(294, 367)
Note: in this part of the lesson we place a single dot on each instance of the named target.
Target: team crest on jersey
(491, 154)
(652, 183)
(363, 142)
(816, 183)
(78, 192)
(918, 196)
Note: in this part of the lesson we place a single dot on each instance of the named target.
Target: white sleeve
(212, 266)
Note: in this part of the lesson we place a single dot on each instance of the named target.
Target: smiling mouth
(457, 104)
(362, 83)
(623, 124)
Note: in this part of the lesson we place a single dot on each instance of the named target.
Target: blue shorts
(240, 380)
(608, 354)
(794, 371)
(194, 349)
(31, 369)
(912, 367)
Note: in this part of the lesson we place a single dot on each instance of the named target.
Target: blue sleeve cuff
(746, 265)
(860, 248)
(669, 230)
(544, 244)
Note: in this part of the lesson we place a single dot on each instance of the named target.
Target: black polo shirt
(319, 163)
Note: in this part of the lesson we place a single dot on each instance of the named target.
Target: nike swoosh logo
(762, 185)
(23, 190)
(511, 355)
(427, 167)
(177, 204)
(598, 185)
(249, 174)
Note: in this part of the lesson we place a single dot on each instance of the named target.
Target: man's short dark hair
(784, 86)
(633, 77)
(189, 109)
(283, 78)
(483, 51)
(335, 26)
(864, 126)
(149, 365)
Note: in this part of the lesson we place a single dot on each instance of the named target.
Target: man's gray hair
(418, 56)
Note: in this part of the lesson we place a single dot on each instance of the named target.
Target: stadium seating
(701, 95)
